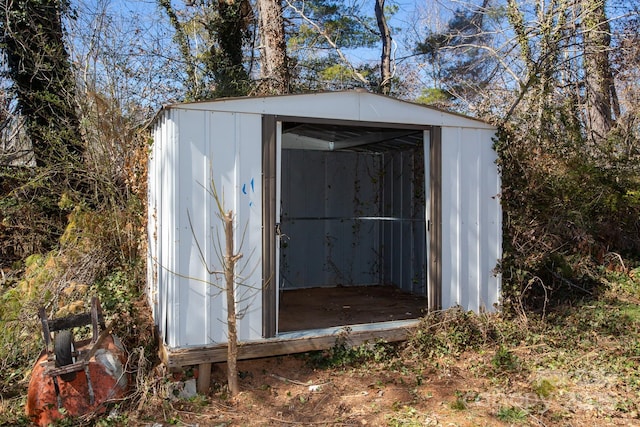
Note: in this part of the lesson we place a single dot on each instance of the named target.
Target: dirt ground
(288, 390)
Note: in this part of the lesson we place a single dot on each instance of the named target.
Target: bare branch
(329, 40)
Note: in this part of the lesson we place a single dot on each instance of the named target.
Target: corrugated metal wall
(186, 286)
(353, 219)
(471, 219)
(404, 235)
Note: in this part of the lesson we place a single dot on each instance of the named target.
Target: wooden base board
(292, 343)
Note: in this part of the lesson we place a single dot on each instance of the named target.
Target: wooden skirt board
(316, 308)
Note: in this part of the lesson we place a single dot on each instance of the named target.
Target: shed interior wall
(353, 219)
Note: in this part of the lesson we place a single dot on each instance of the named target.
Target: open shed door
(346, 216)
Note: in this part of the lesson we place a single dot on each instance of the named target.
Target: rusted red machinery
(75, 378)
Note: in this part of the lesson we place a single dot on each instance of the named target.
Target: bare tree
(385, 60)
(331, 28)
(230, 259)
(193, 84)
(234, 286)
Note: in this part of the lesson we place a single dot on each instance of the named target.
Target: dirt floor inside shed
(315, 308)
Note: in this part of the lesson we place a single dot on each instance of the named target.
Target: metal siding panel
(366, 260)
(221, 155)
(471, 219)
(152, 225)
(248, 225)
(470, 189)
(163, 221)
(483, 209)
(405, 257)
(464, 220)
(386, 227)
(417, 279)
(194, 203)
(304, 196)
(340, 179)
(207, 247)
(386, 240)
(397, 244)
(450, 217)
(405, 253)
(369, 260)
(491, 223)
(166, 217)
(167, 228)
(427, 200)
(206, 146)
(324, 193)
(336, 268)
(159, 162)
(153, 236)
(305, 177)
(402, 240)
(303, 260)
(350, 194)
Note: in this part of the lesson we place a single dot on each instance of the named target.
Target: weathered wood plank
(277, 346)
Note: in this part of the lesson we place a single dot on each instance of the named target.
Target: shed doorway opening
(352, 224)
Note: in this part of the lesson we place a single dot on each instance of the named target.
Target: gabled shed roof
(344, 105)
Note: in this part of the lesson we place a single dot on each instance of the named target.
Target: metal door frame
(271, 156)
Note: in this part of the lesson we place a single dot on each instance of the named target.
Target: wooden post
(229, 266)
(204, 378)
(229, 273)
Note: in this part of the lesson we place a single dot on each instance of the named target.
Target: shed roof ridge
(359, 92)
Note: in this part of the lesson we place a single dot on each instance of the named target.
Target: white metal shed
(347, 192)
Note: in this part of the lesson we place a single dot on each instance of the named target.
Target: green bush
(451, 332)
(343, 355)
(570, 207)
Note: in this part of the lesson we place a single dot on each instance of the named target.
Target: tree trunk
(38, 64)
(274, 69)
(232, 327)
(600, 89)
(385, 60)
(226, 60)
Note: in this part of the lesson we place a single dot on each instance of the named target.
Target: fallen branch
(286, 380)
